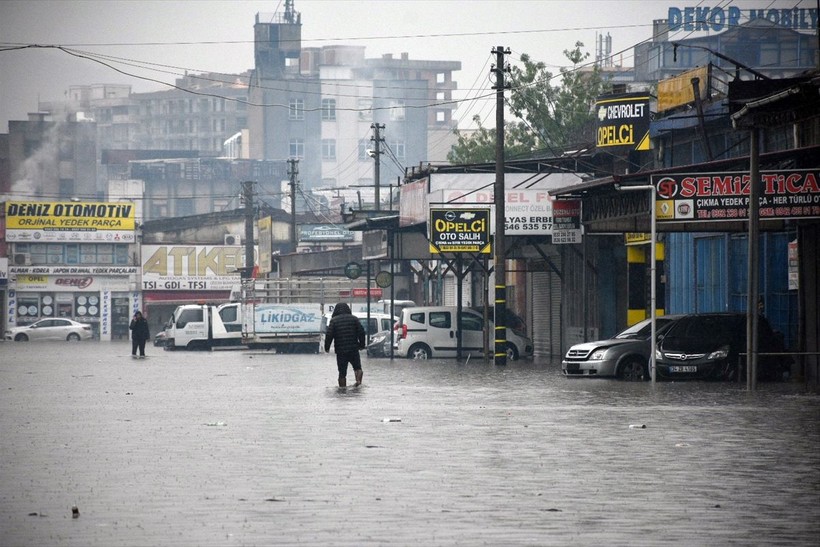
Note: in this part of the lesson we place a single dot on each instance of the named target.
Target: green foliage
(548, 117)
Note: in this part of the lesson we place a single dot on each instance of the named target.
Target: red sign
(362, 293)
(725, 196)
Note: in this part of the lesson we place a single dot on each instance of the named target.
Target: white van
(427, 332)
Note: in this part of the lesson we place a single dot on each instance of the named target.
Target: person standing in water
(139, 334)
(347, 334)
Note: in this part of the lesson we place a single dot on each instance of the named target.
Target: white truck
(204, 326)
(286, 328)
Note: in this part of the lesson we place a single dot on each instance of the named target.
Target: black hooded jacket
(345, 329)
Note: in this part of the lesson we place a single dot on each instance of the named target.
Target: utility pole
(293, 170)
(377, 140)
(500, 68)
(247, 196)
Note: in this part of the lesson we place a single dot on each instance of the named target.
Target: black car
(707, 346)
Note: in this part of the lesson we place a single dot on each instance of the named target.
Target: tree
(548, 117)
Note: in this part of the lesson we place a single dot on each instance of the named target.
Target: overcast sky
(217, 35)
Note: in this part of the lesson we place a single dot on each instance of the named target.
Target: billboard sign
(623, 121)
(459, 230)
(191, 267)
(791, 194)
(69, 221)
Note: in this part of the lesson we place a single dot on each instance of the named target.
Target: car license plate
(687, 368)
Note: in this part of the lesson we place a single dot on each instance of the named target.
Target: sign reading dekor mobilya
(791, 194)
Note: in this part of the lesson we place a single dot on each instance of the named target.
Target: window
(296, 109)
(440, 95)
(329, 110)
(440, 116)
(398, 149)
(365, 106)
(397, 110)
(440, 319)
(328, 149)
(441, 78)
(189, 316)
(363, 144)
(296, 148)
(471, 322)
(75, 253)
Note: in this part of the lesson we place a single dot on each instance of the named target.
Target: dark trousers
(138, 344)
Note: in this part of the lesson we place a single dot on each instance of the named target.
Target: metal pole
(376, 156)
(500, 345)
(753, 265)
(653, 276)
(247, 192)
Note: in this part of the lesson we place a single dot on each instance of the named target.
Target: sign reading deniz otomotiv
(725, 196)
(460, 230)
(623, 121)
(70, 221)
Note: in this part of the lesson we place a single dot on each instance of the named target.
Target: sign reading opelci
(460, 231)
(623, 121)
(725, 196)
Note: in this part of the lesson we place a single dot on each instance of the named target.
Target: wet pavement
(247, 448)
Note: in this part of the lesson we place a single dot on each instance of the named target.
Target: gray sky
(217, 35)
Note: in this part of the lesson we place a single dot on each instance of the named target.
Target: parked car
(50, 329)
(379, 345)
(706, 346)
(624, 356)
(427, 332)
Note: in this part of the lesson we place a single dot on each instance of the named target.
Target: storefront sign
(678, 90)
(4, 271)
(725, 196)
(67, 222)
(459, 231)
(715, 19)
(74, 270)
(567, 222)
(526, 212)
(264, 228)
(623, 121)
(312, 233)
(191, 267)
(69, 283)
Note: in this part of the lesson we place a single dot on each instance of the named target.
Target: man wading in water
(349, 336)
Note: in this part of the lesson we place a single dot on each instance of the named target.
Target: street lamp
(652, 281)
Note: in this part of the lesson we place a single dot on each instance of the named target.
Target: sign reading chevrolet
(623, 121)
(460, 231)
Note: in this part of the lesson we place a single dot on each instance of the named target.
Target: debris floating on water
(637, 426)
(387, 420)
(75, 512)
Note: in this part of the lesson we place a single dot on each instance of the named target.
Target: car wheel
(512, 352)
(21, 338)
(73, 337)
(419, 352)
(632, 369)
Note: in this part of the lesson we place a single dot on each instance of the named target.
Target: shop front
(100, 296)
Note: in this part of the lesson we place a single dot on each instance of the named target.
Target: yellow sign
(678, 91)
(69, 216)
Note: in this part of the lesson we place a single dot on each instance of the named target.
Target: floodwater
(248, 448)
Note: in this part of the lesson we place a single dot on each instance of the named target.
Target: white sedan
(50, 329)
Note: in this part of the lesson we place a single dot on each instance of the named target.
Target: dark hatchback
(706, 346)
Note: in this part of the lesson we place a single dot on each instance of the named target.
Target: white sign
(191, 267)
(526, 212)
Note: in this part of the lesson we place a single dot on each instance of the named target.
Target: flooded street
(247, 448)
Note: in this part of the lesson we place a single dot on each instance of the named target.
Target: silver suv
(427, 332)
